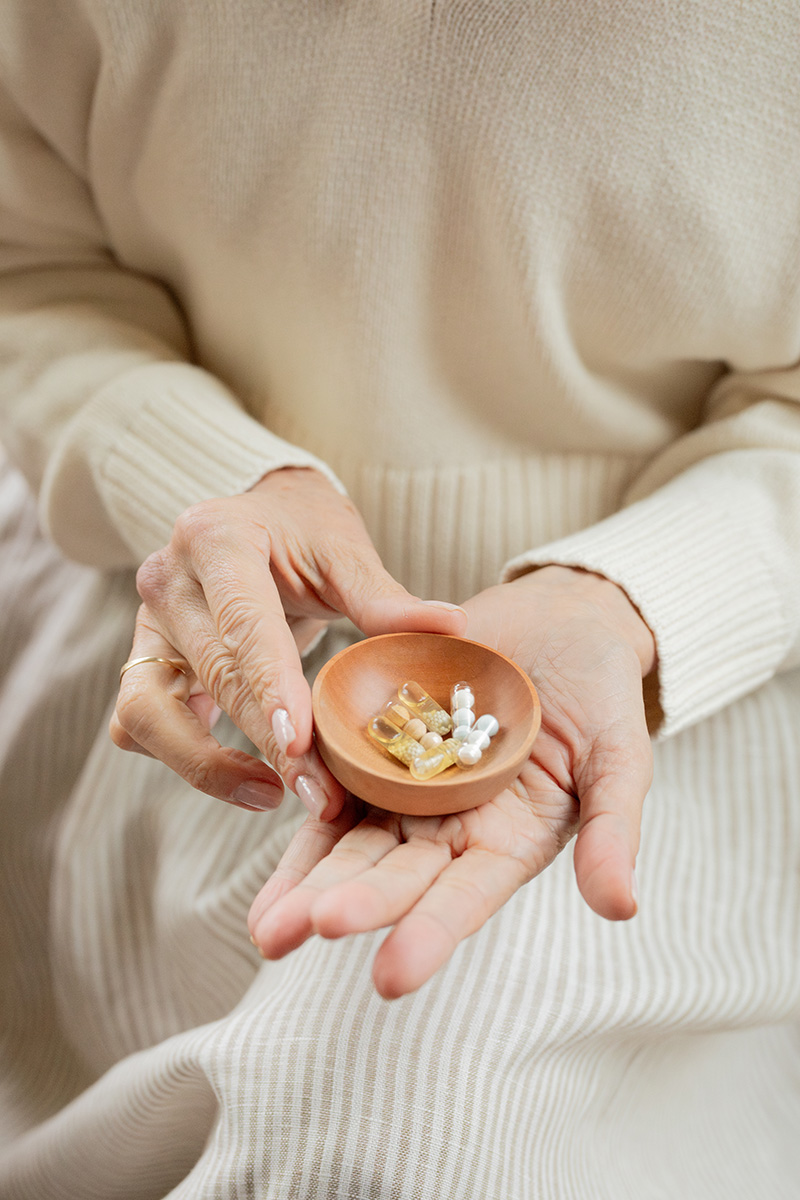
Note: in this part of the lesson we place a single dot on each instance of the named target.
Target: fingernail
(443, 604)
(258, 795)
(283, 729)
(635, 890)
(311, 794)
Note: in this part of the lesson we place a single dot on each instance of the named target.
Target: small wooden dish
(357, 682)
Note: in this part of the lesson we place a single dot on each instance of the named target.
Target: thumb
(611, 801)
(363, 590)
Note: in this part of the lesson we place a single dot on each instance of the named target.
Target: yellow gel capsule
(434, 761)
(396, 712)
(425, 707)
(386, 734)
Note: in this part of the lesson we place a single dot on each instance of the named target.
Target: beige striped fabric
(148, 1052)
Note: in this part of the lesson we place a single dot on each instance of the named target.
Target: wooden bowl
(357, 682)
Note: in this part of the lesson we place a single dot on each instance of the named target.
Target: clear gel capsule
(438, 758)
(430, 739)
(398, 743)
(478, 737)
(464, 716)
(488, 724)
(424, 706)
(461, 733)
(468, 754)
(461, 696)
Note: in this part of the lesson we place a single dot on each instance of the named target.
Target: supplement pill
(468, 754)
(488, 724)
(398, 743)
(424, 706)
(478, 737)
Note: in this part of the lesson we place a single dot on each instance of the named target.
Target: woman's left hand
(438, 879)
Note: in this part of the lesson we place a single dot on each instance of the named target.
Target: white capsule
(464, 716)
(488, 724)
(461, 696)
(430, 739)
(468, 754)
(461, 733)
(478, 737)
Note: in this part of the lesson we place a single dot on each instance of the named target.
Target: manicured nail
(311, 794)
(283, 729)
(443, 604)
(258, 795)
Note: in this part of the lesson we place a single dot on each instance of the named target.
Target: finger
(462, 899)
(153, 716)
(285, 924)
(360, 587)
(612, 789)
(383, 894)
(247, 658)
(221, 606)
(223, 676)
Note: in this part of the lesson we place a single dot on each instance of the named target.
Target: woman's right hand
(239, 579)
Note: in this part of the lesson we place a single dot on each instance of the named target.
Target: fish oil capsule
(488, 724)
(424, 706)
(404, 748)
(430, 739)
(437, 759)
(468, 754)
(396, 712)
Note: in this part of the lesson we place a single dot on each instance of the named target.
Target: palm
(438, 879)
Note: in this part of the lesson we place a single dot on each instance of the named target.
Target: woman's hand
(243, 583)
(438, 879)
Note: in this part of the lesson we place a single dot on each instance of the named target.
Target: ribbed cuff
(696, 561)
(163, 437)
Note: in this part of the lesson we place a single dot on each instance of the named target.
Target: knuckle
(136, 719)
(119, 735)
(152, 577)
(198, 524)
(223, 681)
(200, 774)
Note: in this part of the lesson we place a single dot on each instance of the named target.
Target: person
(338, 320)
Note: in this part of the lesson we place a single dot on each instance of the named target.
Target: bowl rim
(387, 769)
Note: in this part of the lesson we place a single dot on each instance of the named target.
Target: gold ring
(177, 664)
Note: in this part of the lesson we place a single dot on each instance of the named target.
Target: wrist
(614, 602)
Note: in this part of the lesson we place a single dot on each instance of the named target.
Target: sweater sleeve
(100, 404)
(707, 546)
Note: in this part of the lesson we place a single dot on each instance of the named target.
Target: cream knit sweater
(524, 277)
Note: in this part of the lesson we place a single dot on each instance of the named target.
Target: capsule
(396, 712)
(461, 696)
(478, 737)
(430, 739)
(488, 724)
(463, 716)
(468, 754)
(434, 761)
(404, 748)
(424, 706)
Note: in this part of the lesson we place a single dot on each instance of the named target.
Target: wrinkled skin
(245, 582)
